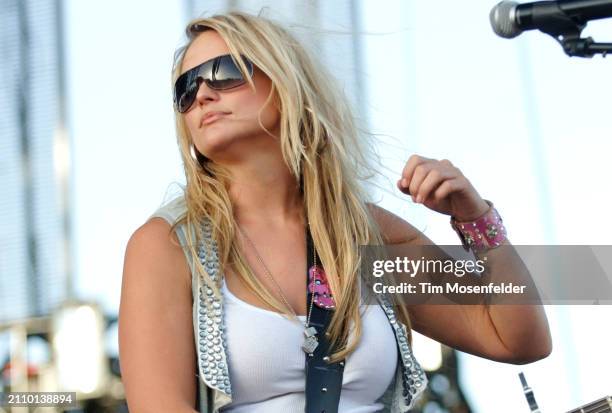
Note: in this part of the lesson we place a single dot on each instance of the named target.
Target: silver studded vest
(214, 384)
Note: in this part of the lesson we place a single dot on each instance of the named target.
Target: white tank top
(267, 364)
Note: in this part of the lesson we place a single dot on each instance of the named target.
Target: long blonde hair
(321, 147)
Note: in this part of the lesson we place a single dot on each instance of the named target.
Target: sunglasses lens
(186, 98)
(219, 74)
(226, 74)
(185, 90)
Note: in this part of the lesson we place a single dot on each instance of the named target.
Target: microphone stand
(533, 405)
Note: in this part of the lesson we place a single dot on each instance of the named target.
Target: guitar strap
(323, 380)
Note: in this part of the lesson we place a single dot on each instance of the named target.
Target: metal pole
(63, 161)
(24, 135)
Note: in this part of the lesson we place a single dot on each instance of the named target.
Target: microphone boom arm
(582, 47)
(567, 30)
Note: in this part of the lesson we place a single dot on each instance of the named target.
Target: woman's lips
(211, 117)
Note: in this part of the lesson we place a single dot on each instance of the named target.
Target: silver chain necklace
(310, 333)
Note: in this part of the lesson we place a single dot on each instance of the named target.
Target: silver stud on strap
(324, 389)
(326, 358)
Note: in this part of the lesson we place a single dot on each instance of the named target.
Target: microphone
(556, 18)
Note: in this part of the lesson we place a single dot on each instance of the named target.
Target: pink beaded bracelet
(483, 233)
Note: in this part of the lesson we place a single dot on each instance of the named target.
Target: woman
(271, 154)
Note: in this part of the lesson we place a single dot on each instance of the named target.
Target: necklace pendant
(310, 344)
(310, 340)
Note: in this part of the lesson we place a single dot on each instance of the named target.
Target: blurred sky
(526, 124)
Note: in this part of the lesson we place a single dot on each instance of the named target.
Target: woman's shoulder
(154, 254)
(156, 235)
(160, 228)
(155, 245)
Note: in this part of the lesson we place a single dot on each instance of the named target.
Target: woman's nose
(205, 93)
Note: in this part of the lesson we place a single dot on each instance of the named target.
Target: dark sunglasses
(219, 73)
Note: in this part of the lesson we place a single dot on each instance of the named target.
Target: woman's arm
(507, 333)
(156, 342)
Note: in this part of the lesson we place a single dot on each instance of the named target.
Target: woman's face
(237, 130)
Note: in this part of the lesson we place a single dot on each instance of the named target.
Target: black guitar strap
(323, 380)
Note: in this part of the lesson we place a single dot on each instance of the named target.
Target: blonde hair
(321, 147)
